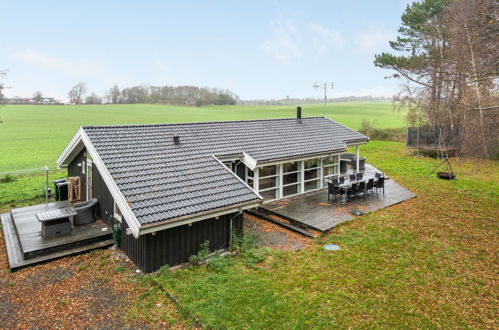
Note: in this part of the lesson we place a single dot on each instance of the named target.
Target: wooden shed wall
(175, 245)
(74, 170)
(168, 247)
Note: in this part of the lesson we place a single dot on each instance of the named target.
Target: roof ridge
(202, 122)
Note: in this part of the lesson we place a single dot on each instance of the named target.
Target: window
(117, 213)
(268, 182)
(291, 179)
(311, 174)
(331, 166)
(267, 171)
(311, 185)
(250, 177)
(311, 163)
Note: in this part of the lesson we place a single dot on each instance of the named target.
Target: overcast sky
(257, 49)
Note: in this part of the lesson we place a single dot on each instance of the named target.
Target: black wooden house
(171, 187)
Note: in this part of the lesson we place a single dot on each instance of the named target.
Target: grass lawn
(426, 263)
(35, 135)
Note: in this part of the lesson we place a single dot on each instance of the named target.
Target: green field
(35, 135)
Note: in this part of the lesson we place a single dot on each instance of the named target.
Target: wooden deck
(314, 211)
(26, 246)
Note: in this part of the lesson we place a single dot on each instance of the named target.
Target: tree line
(185, 95)
(447, 55)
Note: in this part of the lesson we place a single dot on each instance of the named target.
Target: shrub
(197, 258)
(8, 178)
(385, 134)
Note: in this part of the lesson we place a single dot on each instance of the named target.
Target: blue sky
(258, 49)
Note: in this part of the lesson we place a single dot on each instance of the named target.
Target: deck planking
(42, 249)
(33, 244)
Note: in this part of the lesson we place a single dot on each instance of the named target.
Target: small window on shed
(117, 213)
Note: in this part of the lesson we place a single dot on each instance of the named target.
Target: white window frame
(301, 175)
(334, 165)
(278, 176)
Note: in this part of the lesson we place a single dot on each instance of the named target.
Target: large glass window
(311, 163)
(331, 166)
(290, 178)
(291, 189)
(268, 183)
(311, 174)
(269, 194)
(267, 171)
(311, 185)
(290, 167)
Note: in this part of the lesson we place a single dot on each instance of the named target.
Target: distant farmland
(34, 135)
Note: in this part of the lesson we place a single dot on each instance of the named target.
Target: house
(173, 186)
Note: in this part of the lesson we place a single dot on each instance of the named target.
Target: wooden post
(357, 159)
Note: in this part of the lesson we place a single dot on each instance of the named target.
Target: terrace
(27, 245)
(319, 212)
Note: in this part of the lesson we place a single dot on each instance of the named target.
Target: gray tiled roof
(163, 181)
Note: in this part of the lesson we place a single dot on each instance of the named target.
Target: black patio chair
(340, 192)
(370, 185)
(352, 191)
(361, 189)
(342, 179)
(335, 181)
(378, 175)
(331, 190)
(352, 177)
(380, 184)
(359, 176)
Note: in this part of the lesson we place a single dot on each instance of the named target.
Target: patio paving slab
(314, 210)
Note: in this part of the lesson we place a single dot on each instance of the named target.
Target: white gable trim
(81, 138)
(118, 197)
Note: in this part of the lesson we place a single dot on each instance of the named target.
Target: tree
(93, 99)
(446, 53)
(77, 93)
(38, 97)
(2, 74)
(114, 94)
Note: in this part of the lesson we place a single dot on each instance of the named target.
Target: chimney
(298, 113)
(176, 140)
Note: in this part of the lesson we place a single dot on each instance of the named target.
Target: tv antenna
(325, 86)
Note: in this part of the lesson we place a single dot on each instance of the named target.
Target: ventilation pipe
(298, 113)
(176, 140)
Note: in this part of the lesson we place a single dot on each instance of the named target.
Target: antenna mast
(326, 86)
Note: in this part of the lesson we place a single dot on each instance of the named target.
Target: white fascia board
(70, 148)
(237, 177)
(296, 159)
(155, 228)
(354, 144)
(249, 161)
(118, 197)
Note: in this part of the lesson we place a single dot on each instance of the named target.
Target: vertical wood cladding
(175, 245)
(74, 170)
(167, 247)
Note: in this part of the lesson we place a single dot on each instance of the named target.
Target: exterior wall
(167, 247)
(74, 170)
(175, 245)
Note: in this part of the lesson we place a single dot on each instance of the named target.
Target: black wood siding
(105, 207)
(175, 245)
(168, 247)
(74, 170)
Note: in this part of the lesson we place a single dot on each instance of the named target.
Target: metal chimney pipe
(176, 140)
(298, 112)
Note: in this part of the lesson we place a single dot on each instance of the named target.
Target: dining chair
(352, 177)
(359, 176)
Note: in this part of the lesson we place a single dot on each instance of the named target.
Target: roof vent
(298, 112)
(176, 140)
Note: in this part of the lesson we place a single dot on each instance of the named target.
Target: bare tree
(114, 94)
(93, 99)
(38, 97)
(77, 93)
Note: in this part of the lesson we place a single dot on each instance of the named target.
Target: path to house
(94, 290)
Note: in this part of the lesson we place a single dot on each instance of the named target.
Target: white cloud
(73, 67)
(290, 41)
(371, 40)
(283, 46)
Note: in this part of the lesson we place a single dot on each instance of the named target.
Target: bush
(385, 134)
(246, 248)
(197, 258)
(8, 178)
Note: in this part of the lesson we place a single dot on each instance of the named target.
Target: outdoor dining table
(55, 222)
